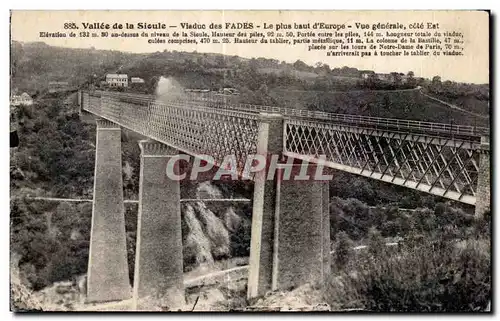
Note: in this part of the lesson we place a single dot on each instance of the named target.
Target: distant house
(393, 77)
(117, 80)
(366, 74)
(23, 99)
(58, 86)
(26, 99)
(385, 77)
(15, 100)
(136, 80)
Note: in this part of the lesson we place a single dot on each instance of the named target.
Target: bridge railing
(357, 120)
(375, 122)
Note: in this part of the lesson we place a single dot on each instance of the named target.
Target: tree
(263, 89)
(435, 84)
(253, 64)
(240, 240)
(343, 248)
(376, 242)
(372, 80)
(321, 84)
(436, 80)
(322, 68)
(300, 66)
(220, 61)
(411, 81)
(396, 78)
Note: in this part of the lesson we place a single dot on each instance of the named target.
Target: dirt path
(454, 106)
(191, 280)
(354, 91)
(89, 200)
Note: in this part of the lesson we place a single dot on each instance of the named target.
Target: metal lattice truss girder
(430, 158)
(442, 166)
(222, 102)
(196, 130)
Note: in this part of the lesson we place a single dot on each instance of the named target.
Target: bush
(240, 240)
(343, 248)
(376, 243)
(431, 277)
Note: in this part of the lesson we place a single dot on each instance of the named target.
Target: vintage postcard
(334, 161)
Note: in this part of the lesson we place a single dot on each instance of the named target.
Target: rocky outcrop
(22, 298)
(231, 220)
(303, 298)
(215, 230)
(197, 248)
(208, 228)
(205, 190)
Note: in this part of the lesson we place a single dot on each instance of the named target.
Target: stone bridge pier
(108, 275)
(483, 199)
(158, 257)
(290, 242)
(158, 270)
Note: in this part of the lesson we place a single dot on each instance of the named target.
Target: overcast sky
(472, 67)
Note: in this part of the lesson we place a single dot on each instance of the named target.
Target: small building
(117, 80)
(385, 77)
(393, 77)
(23, 99)
(365, 74)
(26, 99)
(136, 80)
(58, 86)
(15, 100)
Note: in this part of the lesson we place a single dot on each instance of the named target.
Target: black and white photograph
(250, 161)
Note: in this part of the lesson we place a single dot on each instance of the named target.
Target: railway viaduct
(290, 241)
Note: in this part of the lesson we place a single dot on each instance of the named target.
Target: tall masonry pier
(107, 276)
(483, 200)
(158, 256)
(290, 243)
(158, 272)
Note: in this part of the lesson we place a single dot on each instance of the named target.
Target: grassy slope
(399, 104)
